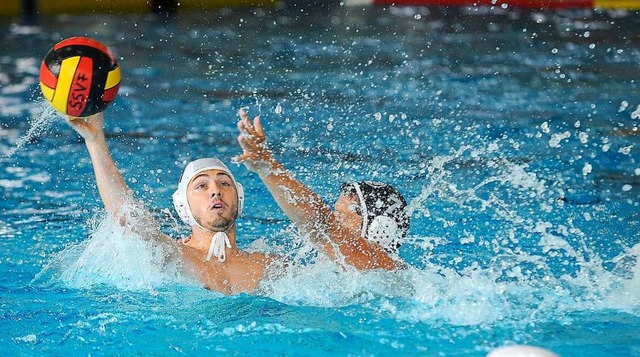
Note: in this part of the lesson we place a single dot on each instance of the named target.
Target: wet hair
(378, 199)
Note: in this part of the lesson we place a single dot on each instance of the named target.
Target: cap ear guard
(384, 231)
(182, 207)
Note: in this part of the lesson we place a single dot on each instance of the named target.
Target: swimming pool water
(513, 134)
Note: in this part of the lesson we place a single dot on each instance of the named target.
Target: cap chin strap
(217, 246)
(363, 209)
(218, 243)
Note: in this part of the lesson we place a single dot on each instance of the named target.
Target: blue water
(514, 135)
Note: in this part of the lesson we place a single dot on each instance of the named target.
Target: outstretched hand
(89, 127)
(256, 156)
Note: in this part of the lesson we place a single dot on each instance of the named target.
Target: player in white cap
(208, 199)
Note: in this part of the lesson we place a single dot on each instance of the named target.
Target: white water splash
(517, 286)
(556, 139)
(115, 256)
(471, 297)
(519, 282)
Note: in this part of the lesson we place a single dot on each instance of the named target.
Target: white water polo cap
(195, 167)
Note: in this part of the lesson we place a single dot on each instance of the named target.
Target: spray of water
(117, 256)
(42, 117)
(514, 285)
(533, 266)
(530, 265)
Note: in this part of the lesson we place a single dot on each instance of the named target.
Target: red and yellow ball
(79, 77)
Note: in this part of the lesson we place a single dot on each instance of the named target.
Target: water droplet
(556, 139)
(584, 137)
(626, 150)
(623, 106)
(545, 127)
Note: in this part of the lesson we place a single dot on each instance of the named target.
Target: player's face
(347, 211)
(213, 200)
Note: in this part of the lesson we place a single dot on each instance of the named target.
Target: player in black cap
(369, 220)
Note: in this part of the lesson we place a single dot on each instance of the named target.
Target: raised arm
(112, 187)
(302, 205)
(115, 194)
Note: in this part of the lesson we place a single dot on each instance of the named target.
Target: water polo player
(369, 221)
(208, 199)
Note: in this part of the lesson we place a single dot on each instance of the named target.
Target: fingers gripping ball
(79, 77)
